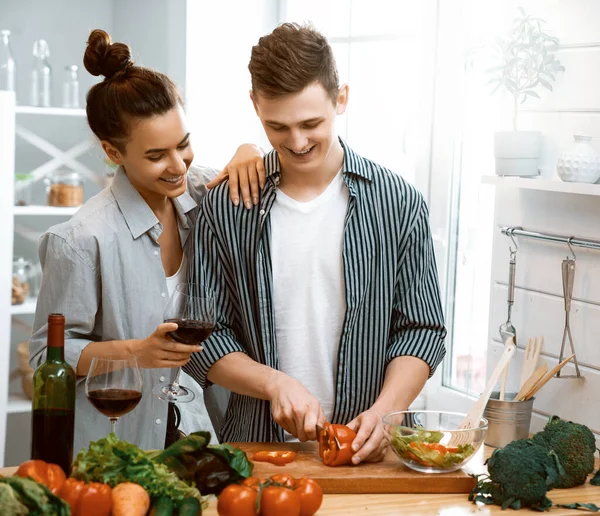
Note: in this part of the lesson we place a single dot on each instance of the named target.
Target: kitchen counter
(428, 504)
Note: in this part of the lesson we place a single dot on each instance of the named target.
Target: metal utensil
(568, 278)
(507, 330)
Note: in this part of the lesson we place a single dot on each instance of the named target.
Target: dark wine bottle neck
(56, 353)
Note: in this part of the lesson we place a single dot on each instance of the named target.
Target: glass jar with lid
(65, 188)
(20, 280)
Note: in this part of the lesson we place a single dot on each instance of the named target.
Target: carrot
(130, 499)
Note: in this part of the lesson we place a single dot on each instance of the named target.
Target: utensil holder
(507, 420)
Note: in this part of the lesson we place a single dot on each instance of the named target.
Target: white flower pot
(517, 153)
(580, 163)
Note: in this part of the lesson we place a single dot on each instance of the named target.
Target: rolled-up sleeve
(70, 287)
(208, 270)
(417, 326)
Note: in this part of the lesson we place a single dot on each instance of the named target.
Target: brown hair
(128, 92)
(291, 58)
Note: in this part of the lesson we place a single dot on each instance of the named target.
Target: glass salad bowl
(430, 441)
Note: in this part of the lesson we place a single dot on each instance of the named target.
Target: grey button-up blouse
(103, 270)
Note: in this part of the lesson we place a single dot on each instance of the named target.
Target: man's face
(301, 126)
(158, 154)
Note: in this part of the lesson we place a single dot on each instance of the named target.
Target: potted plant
(526, 63)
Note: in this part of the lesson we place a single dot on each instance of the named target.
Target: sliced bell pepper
(279, 458)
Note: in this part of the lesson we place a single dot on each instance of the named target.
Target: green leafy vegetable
(113, 461)
(10, 502)
(211, 467)
(37, 498)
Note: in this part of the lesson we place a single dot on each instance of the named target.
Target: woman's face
(157, 155)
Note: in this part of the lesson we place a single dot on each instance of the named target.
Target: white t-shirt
(308, 284)
(194, 415)
(179, 277)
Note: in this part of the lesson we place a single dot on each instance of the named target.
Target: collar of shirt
(137, 214)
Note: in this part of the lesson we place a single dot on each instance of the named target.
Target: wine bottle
(53, 420)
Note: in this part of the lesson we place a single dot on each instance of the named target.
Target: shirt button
(162, 294)
(155, 253)
(158, 421)
(162, 379)
(262, 212)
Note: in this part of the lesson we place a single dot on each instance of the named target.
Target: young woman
(110, 269)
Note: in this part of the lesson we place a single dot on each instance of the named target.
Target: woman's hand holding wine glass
(192, 310)
(160, 351)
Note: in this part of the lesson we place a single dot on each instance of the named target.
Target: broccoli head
(520, 475)
(575, 446)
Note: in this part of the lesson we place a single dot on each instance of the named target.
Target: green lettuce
(113, 461)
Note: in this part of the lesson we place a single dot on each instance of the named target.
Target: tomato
(311, 496)
(236, 500)
(284, 479)
(51, 475)
(93, 499)
(253, 482)
(279, 458)
(279, 501)
(329, 438)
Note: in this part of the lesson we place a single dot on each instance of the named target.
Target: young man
(327, 294)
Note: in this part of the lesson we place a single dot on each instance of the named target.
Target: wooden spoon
(546, 378)
(531, 382)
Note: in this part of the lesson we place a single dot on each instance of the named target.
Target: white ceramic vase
(580, 163)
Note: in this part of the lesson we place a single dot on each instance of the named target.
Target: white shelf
(26, 308)
(545, 185)
(44, 210)
(18, 404)
(56, 111)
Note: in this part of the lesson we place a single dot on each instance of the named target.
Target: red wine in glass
(192, 308)
(191, 332)
(114, 385)
(114, 402)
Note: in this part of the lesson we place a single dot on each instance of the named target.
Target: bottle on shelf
(7, 63)
(70, 87)
(41, 75)
(53, 419)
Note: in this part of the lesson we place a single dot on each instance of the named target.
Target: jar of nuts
(65, 188)
(20, 281)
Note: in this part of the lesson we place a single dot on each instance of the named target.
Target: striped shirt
(392, 295)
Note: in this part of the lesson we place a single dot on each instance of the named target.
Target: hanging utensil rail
(560, 239)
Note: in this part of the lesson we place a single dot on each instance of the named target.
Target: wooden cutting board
(389, 476)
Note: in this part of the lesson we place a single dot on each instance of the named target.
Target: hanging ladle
(507, 330)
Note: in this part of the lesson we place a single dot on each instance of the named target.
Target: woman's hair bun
(105, 58)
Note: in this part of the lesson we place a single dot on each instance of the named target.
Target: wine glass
(192, 308)
(114, 385)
